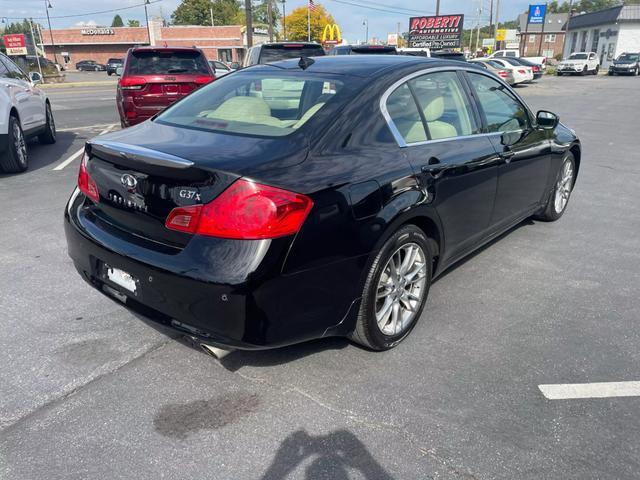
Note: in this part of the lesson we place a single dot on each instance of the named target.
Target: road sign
(537, 13)
(500, 34)
(15, 44)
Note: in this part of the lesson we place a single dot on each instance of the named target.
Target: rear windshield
(374, 50)
(578, 56)
(163, 63)
(270, 103)
(114, 60)
(273, 53)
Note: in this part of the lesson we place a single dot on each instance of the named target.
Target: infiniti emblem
(129, 181)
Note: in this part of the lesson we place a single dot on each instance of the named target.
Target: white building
(607, 32)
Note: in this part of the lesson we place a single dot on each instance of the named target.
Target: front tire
(15, 158)
(585, 70)
(559, 198)
(395, 290)
(558, 73)
(49, 135)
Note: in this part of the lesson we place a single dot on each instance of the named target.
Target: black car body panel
(626, 64)
(364, 186)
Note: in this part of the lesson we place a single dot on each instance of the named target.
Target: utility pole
(497, 23)
(491, 19)
(211, 12)
(47, 6)
(33, 38)
(146, 16)
(270, 19)
(437, 7)
(284, 21)
(398, 34)
(566, 32)
(247, 12)
(544, 21)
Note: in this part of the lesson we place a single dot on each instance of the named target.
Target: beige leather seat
(245, 109)
(432, 114)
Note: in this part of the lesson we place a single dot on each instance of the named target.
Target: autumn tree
(198, 12)
(296, 23)
(117, 21)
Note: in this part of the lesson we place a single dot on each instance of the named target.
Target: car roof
(154, 48)
(306, 44)
(361, 65)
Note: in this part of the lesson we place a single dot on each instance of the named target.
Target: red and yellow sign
(15, 44)
(331, 34)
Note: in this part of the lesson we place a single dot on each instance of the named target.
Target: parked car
(90, 66)
(363, 50)
(155, 77)
(582, 63)
(449, 55)
(626, 64)
(523, 62)
(245, 225)
(272, 52)
(520, 73)
(113, 64)
(512, 53)
(495, 68)
(25, 112)
(219, 68)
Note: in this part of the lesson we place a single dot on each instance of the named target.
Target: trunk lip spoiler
(136, 152)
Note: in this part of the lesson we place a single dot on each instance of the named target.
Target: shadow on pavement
(332, 456)
(42, 156)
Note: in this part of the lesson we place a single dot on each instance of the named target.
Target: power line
(86, 14)
(407, 13)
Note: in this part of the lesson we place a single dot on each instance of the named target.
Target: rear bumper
(227, 293)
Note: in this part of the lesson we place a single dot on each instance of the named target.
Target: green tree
(297, 23)
(117, 21)
(198, 12)
(133, 23)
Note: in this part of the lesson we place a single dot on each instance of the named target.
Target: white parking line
(70, 159)
(88, 127)
(567, 391)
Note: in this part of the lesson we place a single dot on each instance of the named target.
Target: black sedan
(626, 64)
(312, 198)
(90, 66)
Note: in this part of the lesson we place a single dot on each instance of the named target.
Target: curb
(77, 84)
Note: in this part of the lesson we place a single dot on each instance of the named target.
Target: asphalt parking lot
(88, 390)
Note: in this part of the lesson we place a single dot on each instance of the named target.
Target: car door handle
(507, 155)
(436, 171)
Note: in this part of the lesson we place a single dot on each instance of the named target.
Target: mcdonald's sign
(331, 34)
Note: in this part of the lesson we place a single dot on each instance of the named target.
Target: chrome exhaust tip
(215, 352)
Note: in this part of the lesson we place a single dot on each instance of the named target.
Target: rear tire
(49, 135)
(597, 69)
(395, 290)
(559, 73)
(15, 159)
(585, 70)
(559, 198)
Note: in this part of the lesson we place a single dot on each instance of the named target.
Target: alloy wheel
(19, 144)
(563, 187)
(401, 289)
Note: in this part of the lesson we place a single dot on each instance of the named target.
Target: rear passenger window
(405, 116)
(444, 105)
(502, 111)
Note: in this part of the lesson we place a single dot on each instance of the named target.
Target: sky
(349, 17)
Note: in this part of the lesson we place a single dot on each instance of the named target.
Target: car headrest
(236, 107)
(434, 109)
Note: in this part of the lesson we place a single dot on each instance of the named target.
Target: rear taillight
(132, 83)
(503, 73)
(86, 184)
(522, 71)
(246, 210)
(203, 79)
(535, 69)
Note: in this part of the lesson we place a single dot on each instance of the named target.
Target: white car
(516, 54)
(521, 73)
(581, 63)
(24, 112)
(219, 68)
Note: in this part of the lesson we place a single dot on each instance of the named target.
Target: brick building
(533, 42)
(227, 43)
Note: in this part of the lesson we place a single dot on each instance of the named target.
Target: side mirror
(234, 65)
(119, 71)
(35, 77)
(547, 120)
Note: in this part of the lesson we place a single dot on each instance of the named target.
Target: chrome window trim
(396, 133)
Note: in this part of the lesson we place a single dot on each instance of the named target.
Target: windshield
(629, 57)
(578, 56)
(163, 63)
(266, 102)
(273, 53)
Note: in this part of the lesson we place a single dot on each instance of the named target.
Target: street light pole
(437, 7)
(146, 16)
(284, 21)
(366, 34)
(47, 6)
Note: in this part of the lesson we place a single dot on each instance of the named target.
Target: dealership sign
(15, 44)
(97, 31)
(435, 32)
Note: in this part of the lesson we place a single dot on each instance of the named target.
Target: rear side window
(272, 104)
(502, 111)
(511, 54)
(273, 53)
(405, 116)
(164, 63)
